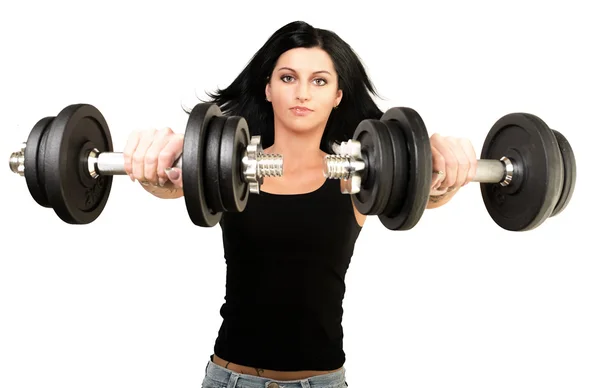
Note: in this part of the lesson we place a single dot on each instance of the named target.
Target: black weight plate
(75, 196)
(235, 139)
(193, 166)
(419, 168)
(378, 156)
(401, 175)
(212, 149)
(34, 161)
(533, 149)
(569, 173)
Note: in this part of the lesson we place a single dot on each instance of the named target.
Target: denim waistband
(230, 379)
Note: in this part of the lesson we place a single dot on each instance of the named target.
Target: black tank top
(287, 257)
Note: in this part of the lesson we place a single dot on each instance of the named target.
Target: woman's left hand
(454, 163)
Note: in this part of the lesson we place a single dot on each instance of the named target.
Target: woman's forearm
(436, 201)
(167, 192)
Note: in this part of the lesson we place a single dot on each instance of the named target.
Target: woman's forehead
(305, 60)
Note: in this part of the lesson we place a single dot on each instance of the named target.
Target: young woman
(288, 252)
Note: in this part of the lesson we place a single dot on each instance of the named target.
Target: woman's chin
(302, 125)
(302, 129)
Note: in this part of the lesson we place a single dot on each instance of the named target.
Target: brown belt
(268, 373)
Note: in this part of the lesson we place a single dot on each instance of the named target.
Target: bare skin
(301, 78)
(268, 373)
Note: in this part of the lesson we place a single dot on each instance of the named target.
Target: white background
(133, 299)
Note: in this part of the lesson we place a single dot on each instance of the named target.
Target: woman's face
(303, 89)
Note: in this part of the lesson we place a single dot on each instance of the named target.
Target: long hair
(245, 96)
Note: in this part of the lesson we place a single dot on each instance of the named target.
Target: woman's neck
(298, 150)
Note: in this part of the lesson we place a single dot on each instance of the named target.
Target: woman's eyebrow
(316, 72)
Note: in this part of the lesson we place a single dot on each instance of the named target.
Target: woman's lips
(300, 110)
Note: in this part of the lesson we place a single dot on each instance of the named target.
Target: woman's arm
(170, 192)
(436, 201)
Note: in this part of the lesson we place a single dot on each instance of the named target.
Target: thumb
(174, 175)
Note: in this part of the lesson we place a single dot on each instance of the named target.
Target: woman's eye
(318, 81)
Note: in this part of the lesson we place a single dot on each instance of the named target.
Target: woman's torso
(287, 255)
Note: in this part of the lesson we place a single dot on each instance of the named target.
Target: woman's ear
(268, 91)
(338, 99)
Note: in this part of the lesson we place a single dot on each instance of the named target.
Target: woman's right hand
(149, 155)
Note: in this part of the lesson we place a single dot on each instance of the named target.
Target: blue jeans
(219, 377)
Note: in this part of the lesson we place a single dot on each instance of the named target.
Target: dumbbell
(527, 171)
(68, 163)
